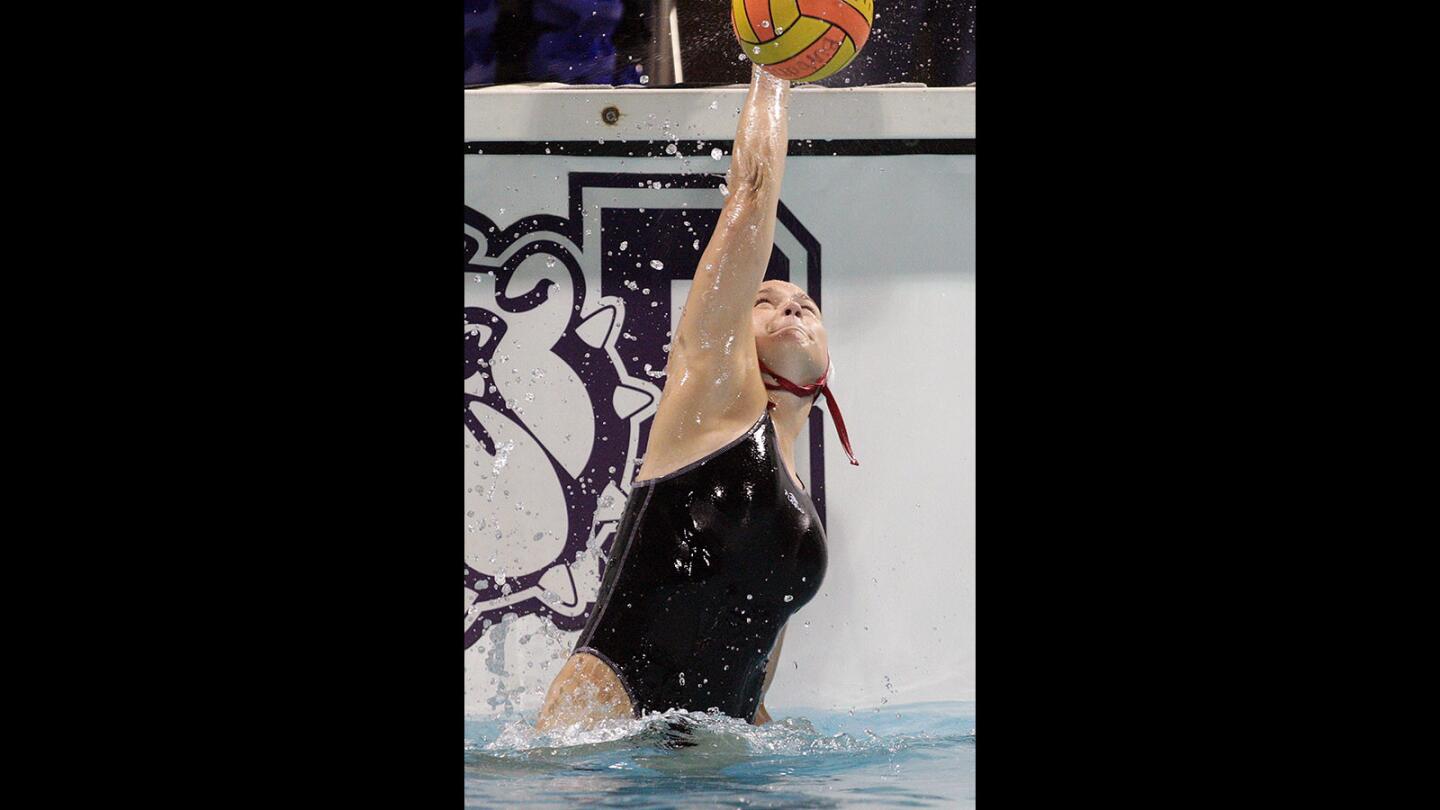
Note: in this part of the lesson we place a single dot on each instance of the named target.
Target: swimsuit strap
(813, 390)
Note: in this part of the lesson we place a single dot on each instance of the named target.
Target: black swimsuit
(708, 564)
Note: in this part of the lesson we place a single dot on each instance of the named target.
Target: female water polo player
(719, 542)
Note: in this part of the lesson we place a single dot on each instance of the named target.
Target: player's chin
(785, 347)
(798, 355)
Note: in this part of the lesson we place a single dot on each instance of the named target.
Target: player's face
(789, 332)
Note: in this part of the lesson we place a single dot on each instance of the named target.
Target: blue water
(916, 755)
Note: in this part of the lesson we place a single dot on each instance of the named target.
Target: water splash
(711, 730)
(502, 457)
(916, 755)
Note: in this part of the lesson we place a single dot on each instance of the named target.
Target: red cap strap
(815, 389)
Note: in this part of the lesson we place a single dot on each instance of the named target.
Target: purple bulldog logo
(551, 425)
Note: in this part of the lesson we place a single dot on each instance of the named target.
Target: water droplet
(682, 679)
(716, 154)
(624, 244)
(764, 23)
(749, 596)
(695, 244)
(502, 456)
(756, 49)
(657, 264)
(644, 79)
(669, 148)
(789, 598)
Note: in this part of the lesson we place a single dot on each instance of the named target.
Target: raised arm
(734, 262)
(714, 341)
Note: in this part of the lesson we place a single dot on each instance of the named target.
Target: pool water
(915, 755)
